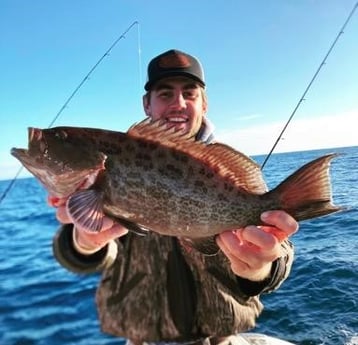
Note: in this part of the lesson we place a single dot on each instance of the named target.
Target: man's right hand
(88, 241)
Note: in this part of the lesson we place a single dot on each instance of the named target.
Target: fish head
(61, 164)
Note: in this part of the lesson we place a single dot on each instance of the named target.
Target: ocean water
(42, 303)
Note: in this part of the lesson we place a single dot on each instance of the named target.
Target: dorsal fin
(232, 165)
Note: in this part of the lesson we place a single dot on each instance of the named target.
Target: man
(157, 288)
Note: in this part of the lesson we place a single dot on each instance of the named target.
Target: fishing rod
(75, 92)
(310, 84)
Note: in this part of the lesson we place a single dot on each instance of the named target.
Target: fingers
(62, 215)
(251, 250)
(260, 246)
(86, 240)
(230, 245)
(253, 253)
(117, 230)
(93, 241)
(247, 259)
(258, 237)
(64, 218)
(281, 220)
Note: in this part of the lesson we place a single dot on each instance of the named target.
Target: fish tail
(307, 192)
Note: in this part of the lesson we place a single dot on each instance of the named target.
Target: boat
(257, 339)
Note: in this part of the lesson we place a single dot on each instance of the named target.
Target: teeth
(177, 119)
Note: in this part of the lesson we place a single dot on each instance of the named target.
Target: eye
(61, 134)
(190, 94)
(165, 94)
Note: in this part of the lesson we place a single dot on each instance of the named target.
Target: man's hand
(90, 242)
(251, 250)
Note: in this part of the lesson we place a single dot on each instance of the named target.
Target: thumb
(117, 230)
(94, 241)
(62, 216)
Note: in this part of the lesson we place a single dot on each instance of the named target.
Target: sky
(258, 56)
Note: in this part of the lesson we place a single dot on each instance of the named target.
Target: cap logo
(174, 61)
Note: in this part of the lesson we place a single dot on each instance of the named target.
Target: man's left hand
(251, 250)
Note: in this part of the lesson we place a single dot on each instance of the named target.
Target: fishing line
(139, 58)
(77, 89)
(310, 83)
(91, 71)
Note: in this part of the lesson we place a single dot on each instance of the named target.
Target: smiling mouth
(177, 120)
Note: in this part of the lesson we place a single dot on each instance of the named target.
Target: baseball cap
(174, 63)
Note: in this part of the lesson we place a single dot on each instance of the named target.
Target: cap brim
(149, 84)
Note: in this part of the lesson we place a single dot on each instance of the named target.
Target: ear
(204, 99)
(146, 105)
(205, 107)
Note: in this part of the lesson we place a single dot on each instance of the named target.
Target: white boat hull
(258, 339)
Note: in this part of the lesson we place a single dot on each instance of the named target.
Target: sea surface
(42, 303)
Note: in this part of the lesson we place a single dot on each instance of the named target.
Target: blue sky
(258, 57)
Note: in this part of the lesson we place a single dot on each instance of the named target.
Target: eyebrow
(187, 86)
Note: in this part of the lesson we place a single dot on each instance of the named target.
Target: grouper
(155, 178)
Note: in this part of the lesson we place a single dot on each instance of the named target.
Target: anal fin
(205, 245)
(131, 226)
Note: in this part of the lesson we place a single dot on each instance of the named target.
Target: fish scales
(170, 196)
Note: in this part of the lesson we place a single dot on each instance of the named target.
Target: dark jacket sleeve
(71, 259)
(279, 272)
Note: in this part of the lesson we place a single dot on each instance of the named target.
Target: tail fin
(307, 192)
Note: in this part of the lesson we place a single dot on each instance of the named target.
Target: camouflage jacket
(153, 288)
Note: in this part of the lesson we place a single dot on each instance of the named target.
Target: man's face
(179, 101)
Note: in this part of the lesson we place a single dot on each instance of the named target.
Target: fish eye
(61, 134)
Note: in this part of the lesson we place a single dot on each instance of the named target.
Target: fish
(157, 178)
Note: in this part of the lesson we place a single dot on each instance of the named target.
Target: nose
(179, 100)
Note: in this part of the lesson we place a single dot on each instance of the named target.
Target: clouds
(309, 133)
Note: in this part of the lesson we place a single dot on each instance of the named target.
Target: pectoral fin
(85, 208)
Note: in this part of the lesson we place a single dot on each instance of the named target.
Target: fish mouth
(37, 140)
(34, 134)
(18, 153)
